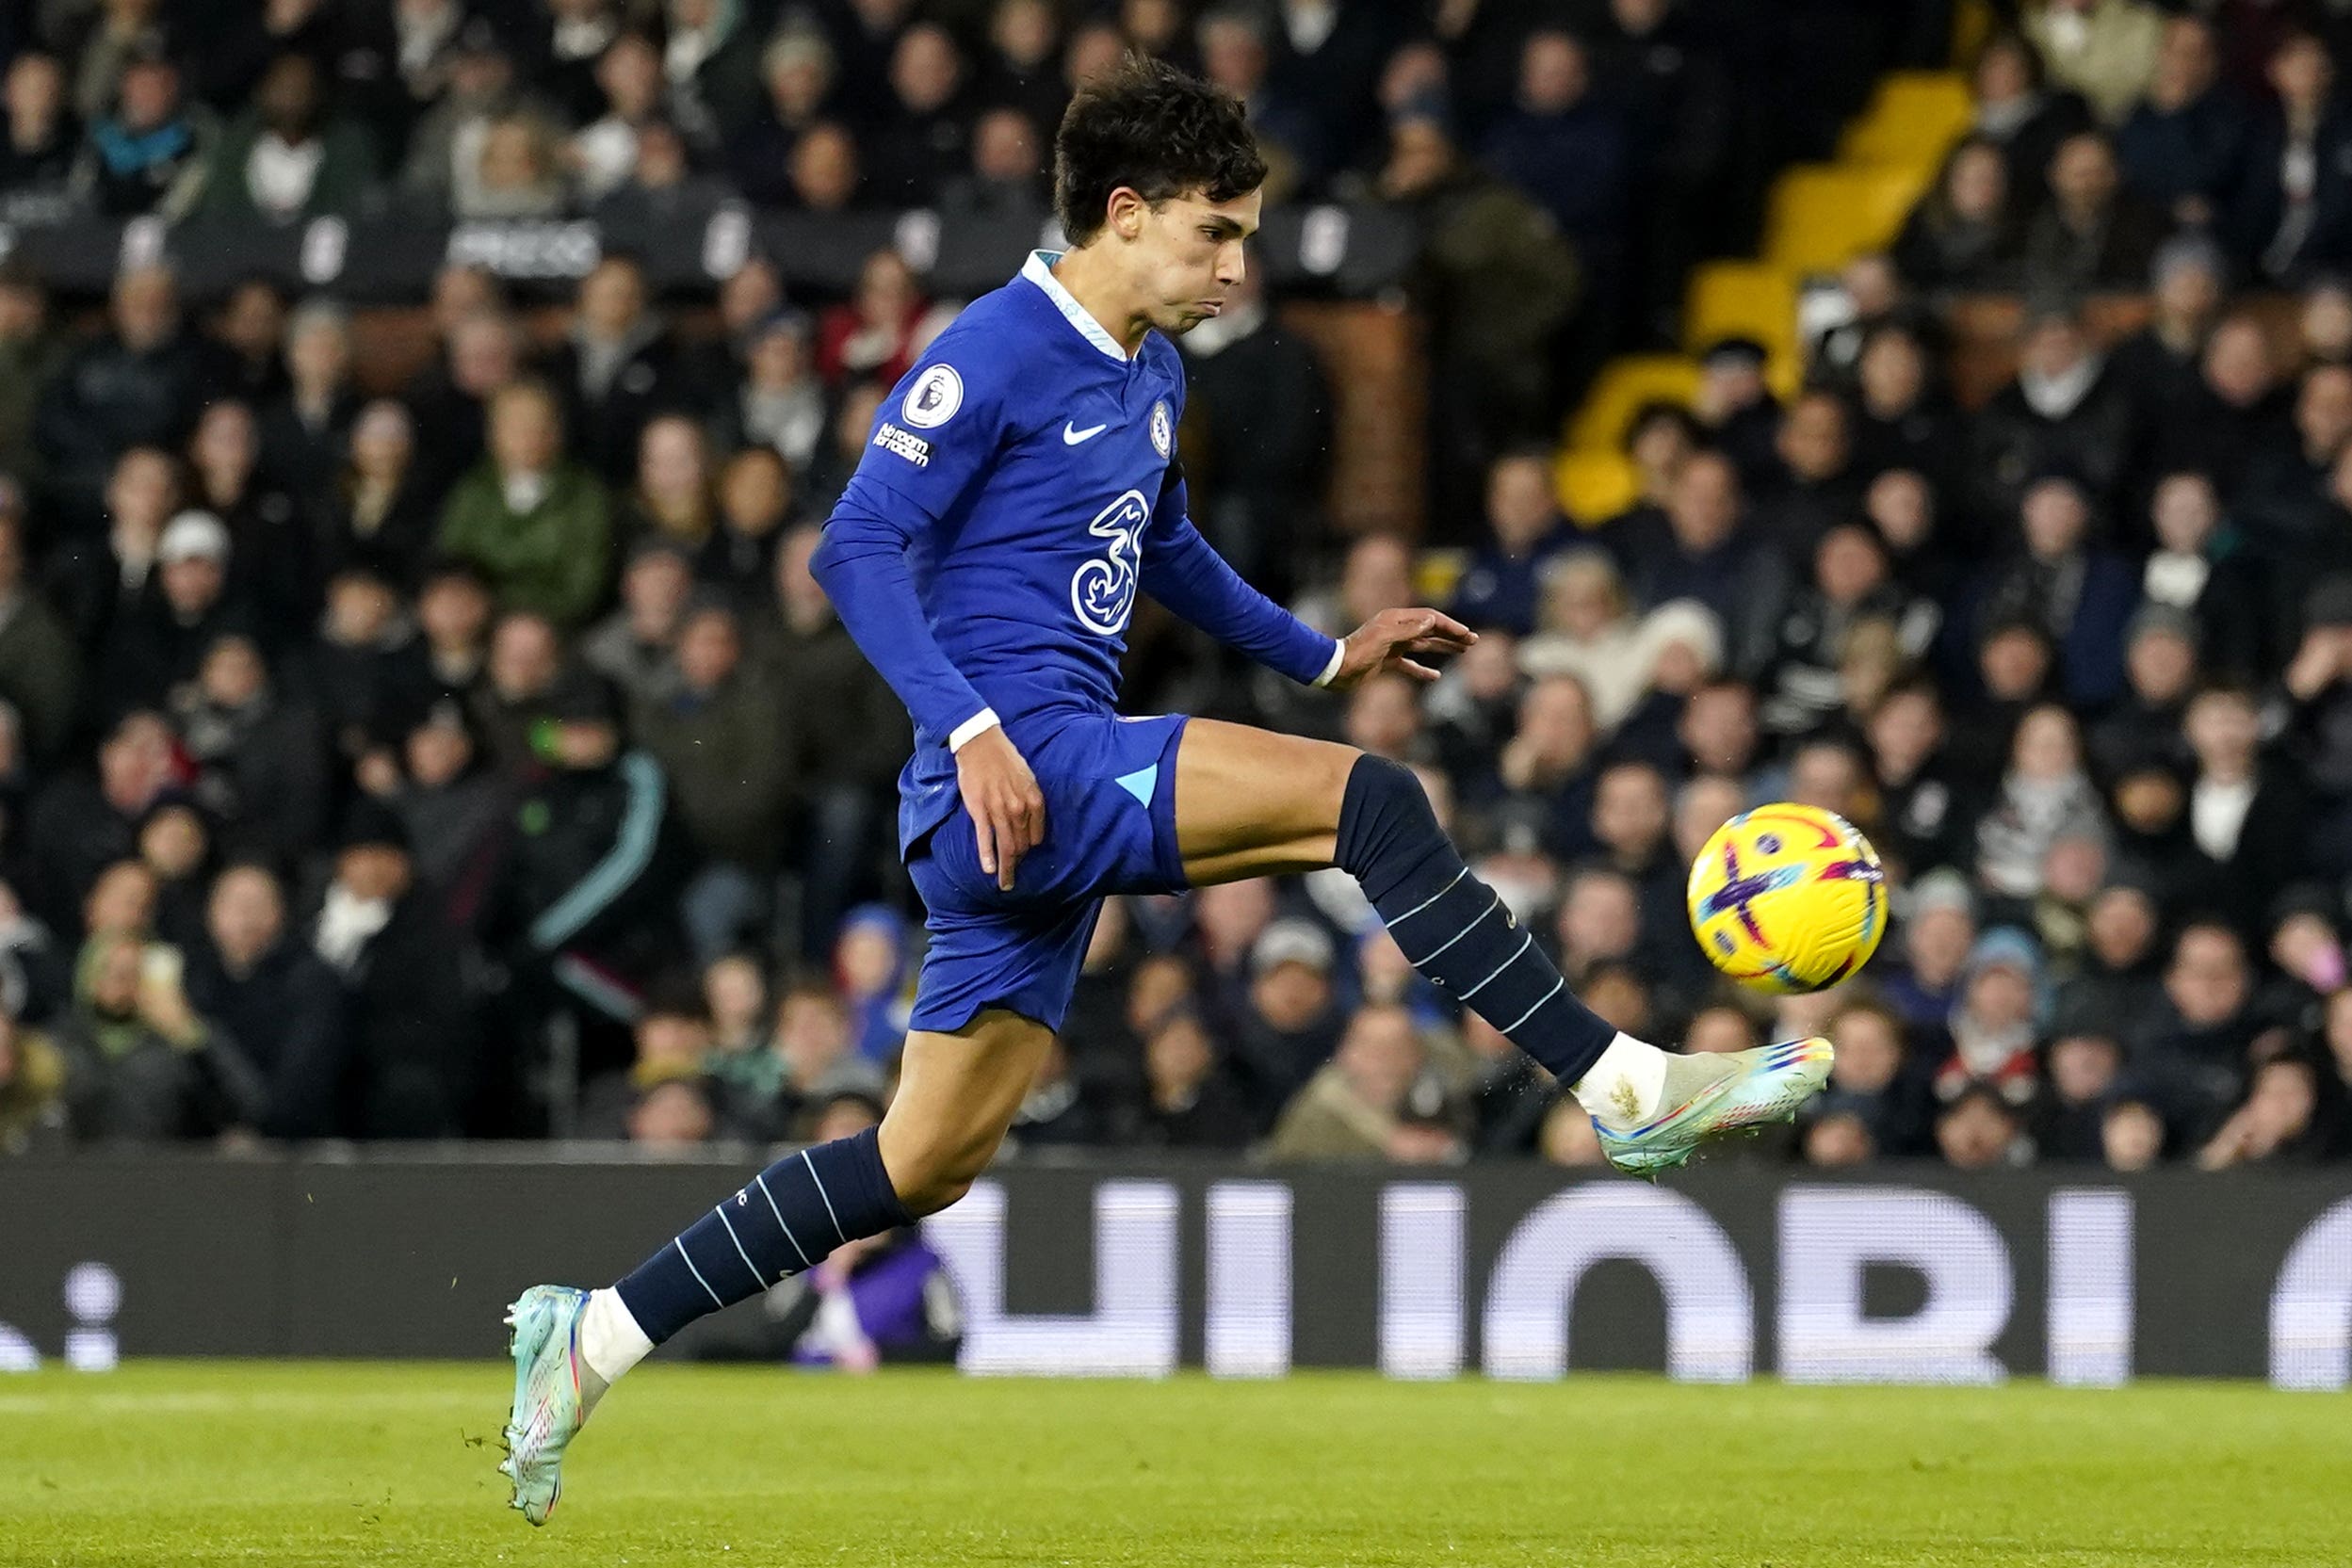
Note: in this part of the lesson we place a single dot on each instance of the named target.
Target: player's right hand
(1008, 810)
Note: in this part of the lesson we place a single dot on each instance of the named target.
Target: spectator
(2079, 595)
(1190, 1103)
(2044, 795)
(151, 155)
(39, 667)
(1902, 420)
(1938, 933)
(781, 400)
(2132, 1135)
(287, 158)
(663, 193)
(2247, 811)
(2106, 50)
(514, 171)
(1701, 553)
(271, 555)
(1926, 810)
(924, 141)
(825, 173)
(1361, 1104)
(672, 500)
(450, 809)
(797, 72)
(1566, 147)
(871, 971)
(2160, 362)
(2286, 1118)
(1874, 1080)
(448, 656)
(277, 1000)
(304, 432)
(377, 512)
(756, 503)
(141, 1065)
(2092, 233)
(2236, 406)
(32, 1088)
(880, 329)
(2194, 1051)
(2020, 114)
(671, 1047)
(156, 648)
(2160, 671)
(1965, 235)
(1236, 56)
(1289, 1024)
(1979, 1130)
(629, 71)
(1022, 72)
(617, 370)
(2201, 571)
(2293, 212)
(478, 92)
(36, 152)
(2287, 502)
(1007, 182)
(138, 384)
(537, 526)
(2185, 145)
(712, 61)
(1498, 587)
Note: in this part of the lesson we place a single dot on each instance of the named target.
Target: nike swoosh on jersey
(1071, 435)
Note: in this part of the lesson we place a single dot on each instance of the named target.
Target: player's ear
(1128, 211)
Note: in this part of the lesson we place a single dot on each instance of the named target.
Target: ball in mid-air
(1788, 898)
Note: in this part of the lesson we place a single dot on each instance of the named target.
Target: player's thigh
(957, 1094)
(1250, 802)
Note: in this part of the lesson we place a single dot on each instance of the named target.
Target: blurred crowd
(477, 758)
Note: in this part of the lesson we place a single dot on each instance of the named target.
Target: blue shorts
(1110, 788)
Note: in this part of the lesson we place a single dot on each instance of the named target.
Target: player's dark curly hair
(1155, 130)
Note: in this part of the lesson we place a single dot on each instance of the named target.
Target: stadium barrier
(1349, 252)
(1113, 1268)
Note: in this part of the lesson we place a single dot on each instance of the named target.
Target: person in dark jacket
(279, 1002)
(2293, 212)
(2091, 233)
(140, 384)
(1499, 588)
(412, 1035)
(1190, 1102)
(83, 823)
(2081, 595)
(619, 367)
(2064, 408)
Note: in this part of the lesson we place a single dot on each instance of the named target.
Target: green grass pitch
(227, 1462)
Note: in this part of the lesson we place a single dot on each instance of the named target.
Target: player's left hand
(1384, 641)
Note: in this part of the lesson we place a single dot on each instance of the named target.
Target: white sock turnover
(611, 1341)
(1624, 1087)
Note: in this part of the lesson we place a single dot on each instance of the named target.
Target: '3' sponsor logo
(1102, 592)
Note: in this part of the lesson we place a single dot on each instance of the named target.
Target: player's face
(1190, 257)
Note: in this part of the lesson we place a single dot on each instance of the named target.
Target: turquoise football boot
(1706, 1096)
(549, 1401)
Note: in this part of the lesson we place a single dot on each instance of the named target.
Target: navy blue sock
(784, 1220)
(1453, 927)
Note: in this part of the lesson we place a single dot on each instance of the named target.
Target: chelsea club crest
(1162, 428)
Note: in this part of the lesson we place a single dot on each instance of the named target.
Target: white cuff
(1338, 653)
(980, 723)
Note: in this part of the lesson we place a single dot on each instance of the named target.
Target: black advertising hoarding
(1900, 1275)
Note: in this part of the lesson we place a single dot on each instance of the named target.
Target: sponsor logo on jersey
(1102, 592)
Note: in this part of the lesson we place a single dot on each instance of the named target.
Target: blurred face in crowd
(2326, 323)
(925, 68)
(484, 355)
(1893, 371)
(146, 307)
(524, 434)
(1557, 722)
(1231, 917)
(149, 94)
(1706, 803)
(524, 657)
(812, 1033)
(660, 158)
(1718, 727)
(2185, 512)
(1154, 25)
(1023, 33)
(1490, 670)
(2306, 946)
(1658, 443)
(1094, 51)
(2048, 747)
(654, 591)
(1004, 148)
(1161, 982)
(114, 981)
(2072, 868)
(2225, 730)
(438, 754)
(1977, 183)
(1553, 77)
(1290, 995)
(2083, 174)
(2055, 518)
(2301, 74)
(1847, 565)
(1421, 156)
(2014, 663)
(122, 900)
(318, 350)
(1629, 811)
(1384, 716)
(1870, 1050)
(1826, 774)
(382, 441)
(671, 465)
(515, 156)
(1838, 1139)
(1378, 575)
(2005, 71)
(2185, 64)
(2207, 982)
(755, 492)
(2187, 294)
(2122, 927)
(1233, 53)
(1582, 597)
(1718, 1031)
(192, 585)
(1902, 508)
(886, 291)
(287, 99)
(630, 73)
(2238, 364)
(1937, 941)
(460, 292)
(226, 446)
(1601, 917)
(233, 673)
(2284, 1096)
(2132, 1135)
(2148, 800)
(709, 648)
(778, 360)
(2162, 665)
(749, 294)
(1617, 998)
(2323, 411)
(1976, 1134)
(2083, 1067)
(613, 298)
(1518, 502)
(824, 169)
(245, 915)
(1904, 730)
(454, 611)
(670, 1115)
(36, 91)
(1380, 1056)
(1176, 1057)
(1704, 503)
(867, 956)
(1812, 438)
(173, 843)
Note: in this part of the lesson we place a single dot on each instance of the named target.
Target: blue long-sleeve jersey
(1019, 489)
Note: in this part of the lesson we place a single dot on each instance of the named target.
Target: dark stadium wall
(1116, 1269)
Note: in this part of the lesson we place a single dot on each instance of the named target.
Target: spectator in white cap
(156, 646)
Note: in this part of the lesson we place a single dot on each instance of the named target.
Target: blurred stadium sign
(1109, 1268)
(1348, 252)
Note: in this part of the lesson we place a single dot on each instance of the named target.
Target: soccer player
(1019, 489)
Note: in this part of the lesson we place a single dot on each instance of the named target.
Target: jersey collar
(1038, 269)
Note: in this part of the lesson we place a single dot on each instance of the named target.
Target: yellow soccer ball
(1788, 898)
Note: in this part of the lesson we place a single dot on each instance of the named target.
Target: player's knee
(933, 1173)
(1384, 809)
